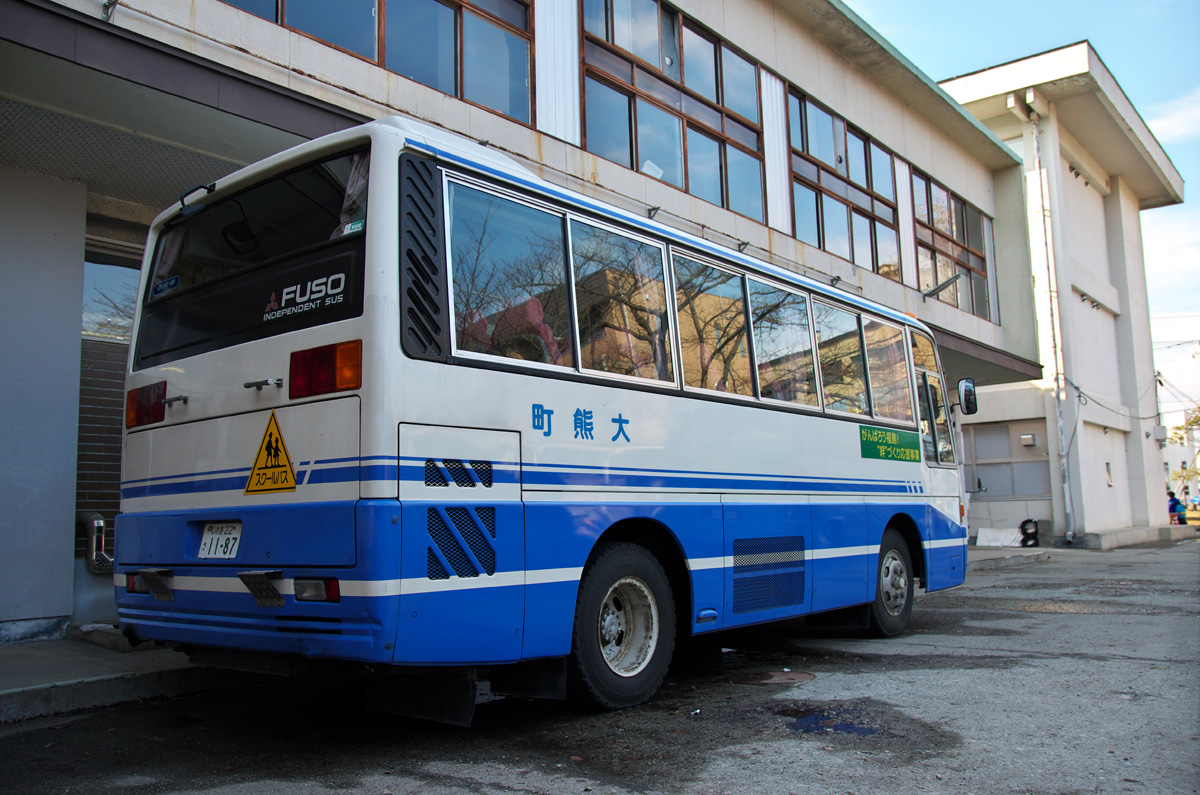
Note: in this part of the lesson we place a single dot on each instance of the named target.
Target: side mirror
(967, 402)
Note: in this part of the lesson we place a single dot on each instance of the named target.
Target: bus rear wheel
(893, 587)
(624, 628)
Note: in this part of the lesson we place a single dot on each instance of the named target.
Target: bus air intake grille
(469, 530)
(483, 471)
(458, 471)
(768, 573)
(448, 545)
(434, 569)
(424, 305)
(488, 517)
(433, 475)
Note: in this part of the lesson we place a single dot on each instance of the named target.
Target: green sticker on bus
(888, 444)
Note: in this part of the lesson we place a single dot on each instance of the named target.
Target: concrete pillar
(1147, 498)
(42, 222)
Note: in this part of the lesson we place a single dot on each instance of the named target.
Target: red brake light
(330, 368)
(144, 405)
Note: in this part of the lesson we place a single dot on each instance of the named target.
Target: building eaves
(852, 39)
(1091, 105)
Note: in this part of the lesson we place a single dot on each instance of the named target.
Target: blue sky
(1152, 47)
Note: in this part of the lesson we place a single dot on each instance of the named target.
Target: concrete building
(1079, 449)
(787, 128)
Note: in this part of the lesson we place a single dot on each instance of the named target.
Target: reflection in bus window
(891, 396)
(510, 279)
(935, 425)
(621, 303)
(941, 420)
(315, 204)
(839, 346)
(712, 328)
(783, 345)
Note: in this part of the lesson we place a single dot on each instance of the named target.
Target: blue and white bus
(394, 400)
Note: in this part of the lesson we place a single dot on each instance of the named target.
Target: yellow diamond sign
(272, 470)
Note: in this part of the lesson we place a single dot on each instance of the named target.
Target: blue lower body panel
(209, 605)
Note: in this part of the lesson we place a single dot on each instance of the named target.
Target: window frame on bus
(939, 373)
(568, 214)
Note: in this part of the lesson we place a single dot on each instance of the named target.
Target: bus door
(462, 588)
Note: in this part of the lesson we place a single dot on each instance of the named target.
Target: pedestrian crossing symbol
(272, 470)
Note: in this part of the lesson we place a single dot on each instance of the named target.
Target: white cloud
(1177, 120)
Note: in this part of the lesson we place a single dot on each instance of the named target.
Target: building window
(950, 242)
(478, 51)
(673, 102)
(843, 189)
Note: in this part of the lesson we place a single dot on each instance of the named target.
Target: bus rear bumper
(220, 603)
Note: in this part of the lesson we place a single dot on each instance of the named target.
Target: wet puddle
(820, 720)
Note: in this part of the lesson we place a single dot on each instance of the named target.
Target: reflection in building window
(660, 143)
(510, 283)
(423, 48)
(679, 85)
(608, 124)
(783, 345)
(109, 299)
(495, 67)
(428, 41)
(951, 241)
(621, 300)
(349, 24)
(843, 189)
(712, 328)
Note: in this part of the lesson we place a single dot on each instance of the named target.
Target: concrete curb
(41, 700)
(1021, 558)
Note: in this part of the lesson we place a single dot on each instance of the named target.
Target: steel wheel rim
(893, 583)
(627, 629)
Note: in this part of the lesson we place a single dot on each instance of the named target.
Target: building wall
(41, 263)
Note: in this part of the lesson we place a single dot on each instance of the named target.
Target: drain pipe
(98, 561)
(1063, 465)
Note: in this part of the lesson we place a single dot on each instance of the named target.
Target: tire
(893, 587)
(624, 630)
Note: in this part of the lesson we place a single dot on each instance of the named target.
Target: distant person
(1176, 508)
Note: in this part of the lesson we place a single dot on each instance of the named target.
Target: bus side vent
(768, 573)
(448, 545)
(458, 471)
(433, 567)
(424, 303)
(434, 476)
(469, 530)
(483, 471)
(466, 475)
(488, 517)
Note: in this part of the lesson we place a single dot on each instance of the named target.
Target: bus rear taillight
(330, 368)
(323, 590)
(144, 405)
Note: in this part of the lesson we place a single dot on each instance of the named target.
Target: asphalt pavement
(95, 666)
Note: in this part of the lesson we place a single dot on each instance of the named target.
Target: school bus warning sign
(272, 470)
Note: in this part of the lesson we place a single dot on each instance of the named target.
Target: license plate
(220, 540)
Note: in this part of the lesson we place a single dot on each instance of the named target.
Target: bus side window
(941, 420)
(621, 293)
(783, 345)
(839, 343)
(928, 445)
(712, 328)
(510, 279)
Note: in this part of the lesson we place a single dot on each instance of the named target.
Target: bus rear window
(315, 204)
(282, 255)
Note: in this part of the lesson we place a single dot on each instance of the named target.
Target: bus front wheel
(624, 628)
(893, 587)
